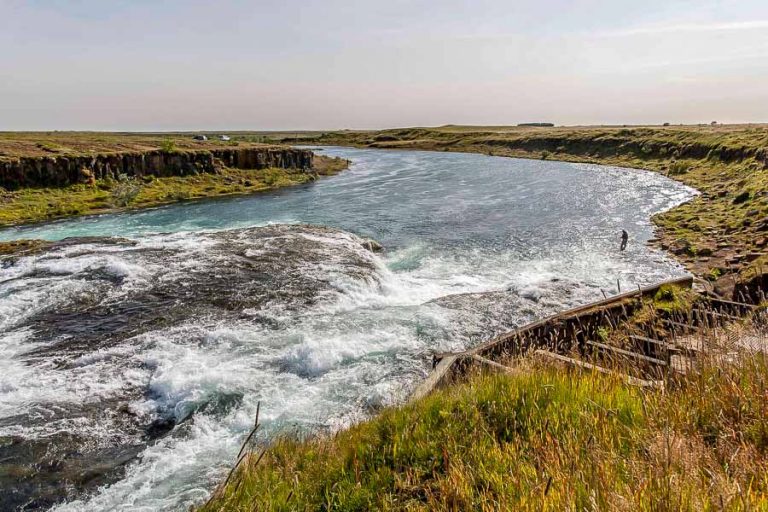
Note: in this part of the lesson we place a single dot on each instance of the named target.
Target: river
(131, 368)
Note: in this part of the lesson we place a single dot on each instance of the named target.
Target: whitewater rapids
(133, 356)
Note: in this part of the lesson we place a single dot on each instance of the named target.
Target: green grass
(728, 164)
(37, 205)
(168, 146)
(673, 299)
(543, 440)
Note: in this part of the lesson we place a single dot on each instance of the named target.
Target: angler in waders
(624, 239)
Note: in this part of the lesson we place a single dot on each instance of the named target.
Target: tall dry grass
(547, 439)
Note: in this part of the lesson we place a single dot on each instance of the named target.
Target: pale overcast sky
(285, 64)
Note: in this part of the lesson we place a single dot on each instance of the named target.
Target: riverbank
(166, 338)
(720, 236)
(317, 357)
(100, 176)
(539, 438)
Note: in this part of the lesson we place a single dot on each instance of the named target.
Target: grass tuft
(543, 440)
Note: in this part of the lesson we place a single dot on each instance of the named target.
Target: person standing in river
(624, 239)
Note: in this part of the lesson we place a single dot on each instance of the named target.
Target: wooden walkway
(568, 338)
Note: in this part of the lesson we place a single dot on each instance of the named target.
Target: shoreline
(720, 236)
(329, 166)
(31, 206)
(375, 419)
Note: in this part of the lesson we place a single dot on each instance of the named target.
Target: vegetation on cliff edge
(42, 204)
(717, 235)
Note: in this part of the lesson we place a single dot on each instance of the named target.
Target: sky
(147, 65)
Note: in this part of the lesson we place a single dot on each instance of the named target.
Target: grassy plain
(39, 144)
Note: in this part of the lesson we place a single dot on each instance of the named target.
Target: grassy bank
(719, 235)
(541, 440)
(43, 204)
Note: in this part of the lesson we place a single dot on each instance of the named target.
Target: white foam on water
(41, 384)
(323, 370)
(12, 344)
(303, 378)
(363, 346)
(326, 367)
(35, 283)
(153, 483)
(22, 298)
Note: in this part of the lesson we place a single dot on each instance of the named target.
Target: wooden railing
(558, 332)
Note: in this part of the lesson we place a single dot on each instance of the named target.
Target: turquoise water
(403, 197)
(473, 246)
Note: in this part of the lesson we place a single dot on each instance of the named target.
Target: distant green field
(38, 144)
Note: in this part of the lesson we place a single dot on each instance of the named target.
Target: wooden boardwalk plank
(434, 377)
(664, 346)
(681, 325)
(627, 353)
(731, 303)
(716, 314)
(634, 381)
(497, 366)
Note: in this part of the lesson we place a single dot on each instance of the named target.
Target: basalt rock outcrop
(58, 171)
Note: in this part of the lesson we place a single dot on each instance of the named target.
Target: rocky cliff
(623, 144)
(58, 171)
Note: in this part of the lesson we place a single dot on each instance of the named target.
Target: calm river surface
(130, 370)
